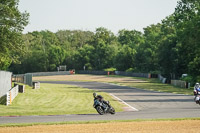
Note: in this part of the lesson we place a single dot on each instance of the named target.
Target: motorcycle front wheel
(100, 110)
(112, 111)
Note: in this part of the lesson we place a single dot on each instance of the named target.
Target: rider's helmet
(94, 95)
(197, 84)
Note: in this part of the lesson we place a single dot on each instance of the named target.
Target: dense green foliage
(171, 47)
(12, 23)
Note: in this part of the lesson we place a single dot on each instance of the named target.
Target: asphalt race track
(150, 105)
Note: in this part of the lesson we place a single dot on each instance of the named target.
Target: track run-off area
(141, 104)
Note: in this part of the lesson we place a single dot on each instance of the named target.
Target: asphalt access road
(150, 105)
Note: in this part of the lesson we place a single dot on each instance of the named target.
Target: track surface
(150, 104)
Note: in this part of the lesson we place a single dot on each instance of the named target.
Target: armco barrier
(92, 72)
(5, 82)
(145, 75)
(50, 73)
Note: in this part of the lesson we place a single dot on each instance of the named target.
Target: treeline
(171, 47)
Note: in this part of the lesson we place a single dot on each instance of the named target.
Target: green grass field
(55, 99)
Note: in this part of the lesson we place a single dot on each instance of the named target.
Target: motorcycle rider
(196, 90)
(100, 98)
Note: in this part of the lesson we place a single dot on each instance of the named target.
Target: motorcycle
(197, 97)
(103, 108)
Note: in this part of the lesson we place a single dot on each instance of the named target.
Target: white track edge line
(124, 102)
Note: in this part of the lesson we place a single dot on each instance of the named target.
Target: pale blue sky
(114, 15)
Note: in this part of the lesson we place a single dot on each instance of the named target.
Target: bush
(130, 70)
(155, 72)
(198, 79)
(189, 79)
(3, 100)
(110, 69)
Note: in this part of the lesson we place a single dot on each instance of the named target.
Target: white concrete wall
(5, 82)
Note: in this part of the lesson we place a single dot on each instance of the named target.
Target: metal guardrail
(92, 72)
(145, 75)
(50, 73)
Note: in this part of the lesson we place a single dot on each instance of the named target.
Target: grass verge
(92, 122)
(155, 85)
(55, 99)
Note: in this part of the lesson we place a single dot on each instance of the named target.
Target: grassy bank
(95, 122)
(155, 85)
(54, 99)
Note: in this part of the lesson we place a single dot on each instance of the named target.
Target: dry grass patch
(92, 78)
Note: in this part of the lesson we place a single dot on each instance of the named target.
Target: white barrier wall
(5, 82)
(12, 94)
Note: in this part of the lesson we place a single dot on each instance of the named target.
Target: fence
(62, 68)
(18, 78)
(12, 94)
(23, 78)
(28, 79)
(179, 83)
(5, 82)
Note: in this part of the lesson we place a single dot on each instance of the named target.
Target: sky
(84, 15)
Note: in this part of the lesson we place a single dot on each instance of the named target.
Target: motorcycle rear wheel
(100, 110)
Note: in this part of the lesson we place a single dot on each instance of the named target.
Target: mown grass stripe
(54, 99)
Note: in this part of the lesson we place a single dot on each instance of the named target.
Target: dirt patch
(93, 78)
(184, 126)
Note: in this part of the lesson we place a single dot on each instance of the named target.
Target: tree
(56, 56)
(102, 41)
(131, 38)
(168, 49)
(146, 58)
(84, 57)
(12, 23)
(187, 18)
(125, 58)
